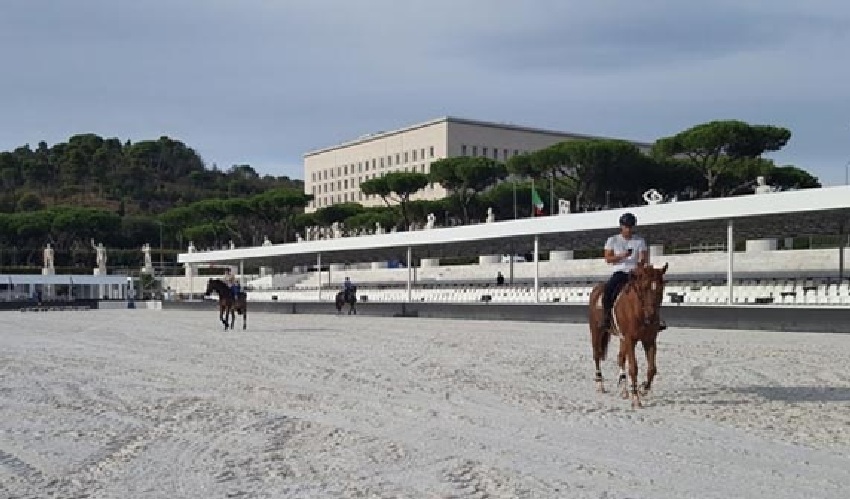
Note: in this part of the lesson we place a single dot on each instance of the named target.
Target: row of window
(382, 162)
(489, 152)
(345, 184)
(345, 197)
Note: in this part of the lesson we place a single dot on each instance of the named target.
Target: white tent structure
(24, 286)
(825, 210)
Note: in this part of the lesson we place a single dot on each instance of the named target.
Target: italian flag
(536, 201)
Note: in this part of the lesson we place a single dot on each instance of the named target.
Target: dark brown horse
(228, 305)
(635, 318)
(349, 297)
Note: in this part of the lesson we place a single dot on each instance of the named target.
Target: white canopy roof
(802, 202)
(63, 279)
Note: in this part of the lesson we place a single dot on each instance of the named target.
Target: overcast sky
(263, 81)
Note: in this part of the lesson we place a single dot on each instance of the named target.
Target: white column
(409, 275)
(730, 248)
(319, 270)
(536, 269)
(242, 272)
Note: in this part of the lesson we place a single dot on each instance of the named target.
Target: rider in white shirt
(625, 251)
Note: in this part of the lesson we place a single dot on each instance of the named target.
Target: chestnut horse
(635, 318)
(228, 306)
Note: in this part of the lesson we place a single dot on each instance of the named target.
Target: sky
(261, 82)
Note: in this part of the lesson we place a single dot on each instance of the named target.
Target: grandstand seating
(798, 277)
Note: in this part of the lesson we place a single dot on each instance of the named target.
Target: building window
(414, 154)
(382, 162)
(345, 183)
(474, 151)
(374, 164)
(516, 152)
(505, 154)
(495, 153)
(431, 152)
(314, 176)
(397, 158)
(339, 185)
(405, 157)
(484, 151)
(463, 150)
(360, 196)
(389, 161)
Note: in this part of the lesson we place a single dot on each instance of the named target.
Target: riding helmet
(628, 220)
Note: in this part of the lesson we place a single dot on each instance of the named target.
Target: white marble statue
(298, 237)
(378, 228)
(191, 247)
(48, 257)
(266, 241)
(232, 244)
(762, 187)
(335, 230)
(100, 257)
(652, 196)
(432, 219)
(146, 250)
(490, 216)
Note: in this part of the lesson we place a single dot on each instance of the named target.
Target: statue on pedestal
(336, 232)
(432, 219)
(100, 256)
(146, 250)
(232, 244)
(191, 247)
(762, 187)
(378, 228)
(490, 216)
(298, 237)
(266, 241)
(48, 257)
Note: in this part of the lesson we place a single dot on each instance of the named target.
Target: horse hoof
(600, 388)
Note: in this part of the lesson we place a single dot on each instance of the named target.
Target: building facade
(333, 175)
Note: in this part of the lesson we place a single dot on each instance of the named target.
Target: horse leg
(622, 381)
(245, 318)
(222, 316)
(649, 347)
(599, 340)
(633, 371)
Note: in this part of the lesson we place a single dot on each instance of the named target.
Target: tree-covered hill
(146, 177)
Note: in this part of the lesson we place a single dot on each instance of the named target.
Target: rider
(347, 286)
(625, 252)
(231, 282)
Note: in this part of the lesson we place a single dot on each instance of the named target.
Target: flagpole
(533, 208)
(552, 194)
(515, 207)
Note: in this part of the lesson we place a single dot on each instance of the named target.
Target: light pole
(847, 173)
(161, 266)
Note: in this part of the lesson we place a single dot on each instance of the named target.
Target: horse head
(649, 283)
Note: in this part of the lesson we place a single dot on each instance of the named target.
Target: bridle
(645, 285)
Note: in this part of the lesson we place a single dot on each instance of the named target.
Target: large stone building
(333, 174)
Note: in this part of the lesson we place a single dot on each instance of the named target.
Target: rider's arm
(610, 256)
(643, 253)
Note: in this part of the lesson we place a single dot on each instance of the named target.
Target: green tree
(396, 187)
(465, 177)
(717, 147)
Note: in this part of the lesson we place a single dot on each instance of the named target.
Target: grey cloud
(261, 82)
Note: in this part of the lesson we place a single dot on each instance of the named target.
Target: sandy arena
(144, 404)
